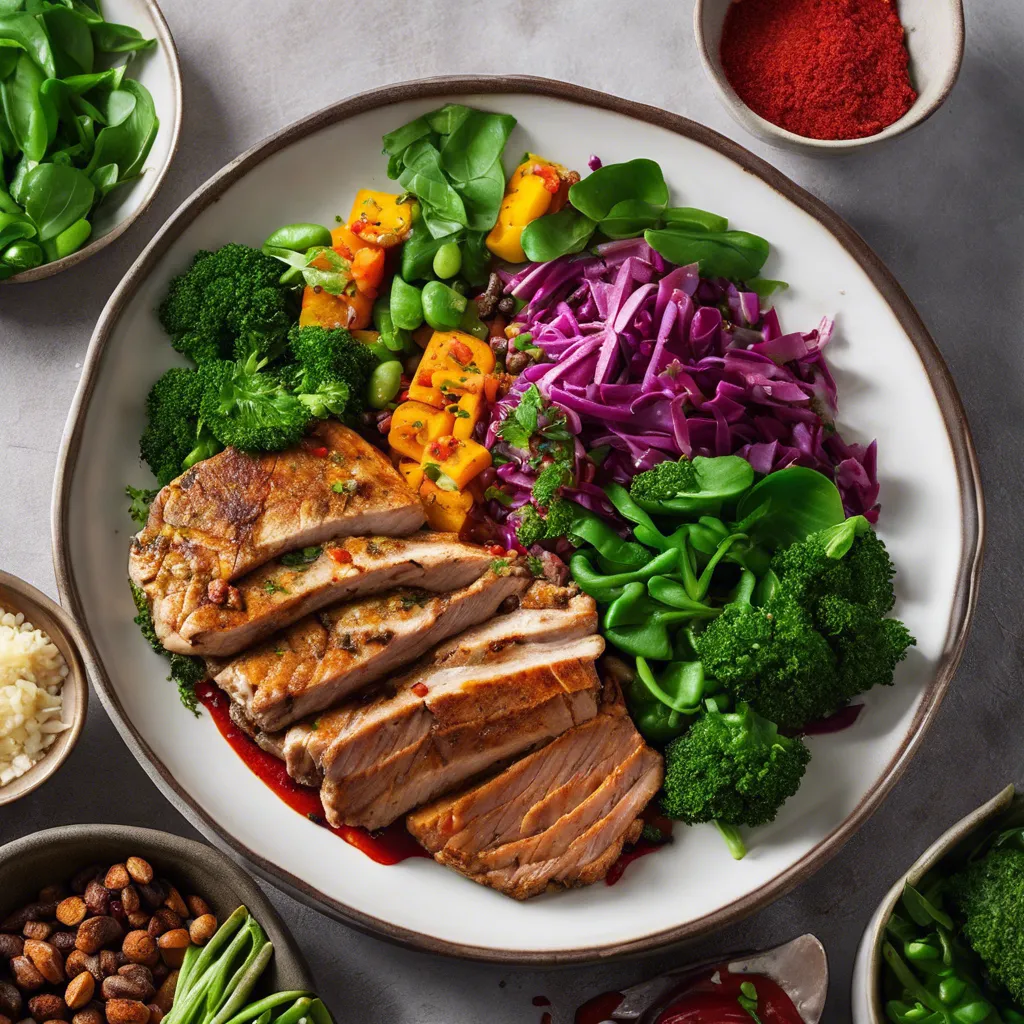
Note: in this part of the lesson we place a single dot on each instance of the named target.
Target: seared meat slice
(558, 817)
(234, 512)
(286, 589)
(443, 726)
(326, 657)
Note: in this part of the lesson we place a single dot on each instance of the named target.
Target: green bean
(265, 1005)
(406, 305)
(72, 238)
(22, 255)
(384, 384)
(295, 1013)
(442, 306)
(448, 260)
(298, 237)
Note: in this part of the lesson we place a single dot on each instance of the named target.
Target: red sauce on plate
(388, 846)
(708, 1002)
(642, 849)
(842, 719)
(598, 1009)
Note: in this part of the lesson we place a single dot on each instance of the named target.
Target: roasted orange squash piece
(380, 218)
(321, 309)
(414, 424)
(445, 510)
(528, 195)
(458, 460)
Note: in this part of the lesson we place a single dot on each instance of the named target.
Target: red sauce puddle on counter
(598, 1009)
(389, 846)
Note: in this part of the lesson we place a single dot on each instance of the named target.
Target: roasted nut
(140, 870)
(37, 930)
(159, 973)
(155, 1014)
(90, 1015)
(11, 1001)
(63, 942)
(117, 912)
(131, 900)
(26, 975)
(80, 991)
(38, 911)
(139, 975)
(11, 945)
(140, 919)
(202, 929)
(140, 948)
(80, 879)
(175, 902)
(152, 893)
(97, 899)
(165, 993)
(47, 1007)
(97, 932)
(110, 962)
(117, 986)
(173, 945)
(48, 961)
(164, 920)
(117, 877)
(52, 892)
(126, 1011)
(197, 906)
(72, 911)
(77, 961)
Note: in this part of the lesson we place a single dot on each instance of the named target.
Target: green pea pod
(655, 721)
(392, 339)
(681, 686)
(319, 1013)
(72, 238)
(650, 640)
(645, 532)
(622, 555)
(671, 592)
(921, 910)
(295, 1013)
(607, 588)
(442, 306)
(406, 305)
(298, 237)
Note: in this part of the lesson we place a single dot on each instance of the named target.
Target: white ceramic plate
(159, 71)
(892, 384)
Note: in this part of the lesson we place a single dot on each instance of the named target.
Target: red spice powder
(824, 69)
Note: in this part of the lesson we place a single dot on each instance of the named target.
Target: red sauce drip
(388, 846)
(545, 1018)
(642, 849)
(842, 719)
(541, 1001)
(705, 1002)
(598, 1009)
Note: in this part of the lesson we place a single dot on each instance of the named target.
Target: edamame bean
(448, 260)
(22, 255)
(392, 339)
(298, 237)
(406, 305)
(384, 384)
(72, 239)
(442, 306)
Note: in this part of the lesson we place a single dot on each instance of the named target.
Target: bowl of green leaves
(946, 945)
(91, 97)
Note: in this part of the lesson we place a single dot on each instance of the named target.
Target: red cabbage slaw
(650, 361)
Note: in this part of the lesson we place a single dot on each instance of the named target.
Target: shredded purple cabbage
(650, 361)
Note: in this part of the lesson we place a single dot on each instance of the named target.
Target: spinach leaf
(482, 197)
(9, 53)
(78, 85)
(8, 147)
(55, 197)
(14, 226)
(396, 142)
(24, 30)
(25, 114)
(423, 176)
(71, 41)
(128, 144)
(796, 501)
(765, 287)
(556, 234)
(446, 119)
(11, 6)
(597, 194)
(104, 178)
(17, 186)
(476, 259)
(630, 218)
(115, 105)
(110, 38)
(734, 254)
(693, 219)
(475, 146)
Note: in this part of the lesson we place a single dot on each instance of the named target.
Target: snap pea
(615, 553)
(442, 306)
(680, 688)
(447, 260)
(298, 237)
(392, 339)
(72, 238)
(384, 384)
(656, 721)
(407, 306)
(606, 588)
(22, 255)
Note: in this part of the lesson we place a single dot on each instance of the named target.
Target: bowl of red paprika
(830, 76)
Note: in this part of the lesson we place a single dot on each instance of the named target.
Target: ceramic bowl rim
(959, 436)
(166, 41)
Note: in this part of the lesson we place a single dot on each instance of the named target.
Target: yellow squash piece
(414, 424)
(380, 218)
(412, 472)
(467, 415)
(445, 510)
(460, 461)
(454, 352)
(527, 197)
(321, 309)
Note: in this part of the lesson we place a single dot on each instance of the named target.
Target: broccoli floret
(530, 526)
(665, 481)
(989, 894)
(653, 834)
(228, 305)
(186, 671)
(251, 410)
(172, 439)
(141, 499)
(334, 370)
(552, 477)
(731, 768)
(533, 527)
(144, 620)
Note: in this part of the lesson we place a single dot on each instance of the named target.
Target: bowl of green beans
(946, 945)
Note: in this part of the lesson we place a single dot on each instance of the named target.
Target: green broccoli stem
(733, 839)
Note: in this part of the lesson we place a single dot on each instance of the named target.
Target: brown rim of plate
(965, 458)
(166, 41)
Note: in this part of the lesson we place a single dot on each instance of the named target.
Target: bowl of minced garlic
(43, 688)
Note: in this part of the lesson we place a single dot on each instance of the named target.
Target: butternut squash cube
(467, 415)
(412, 473)
(445, 510)
(321, 309)
(414, 424)
(456, 459)
(528, 196)
(379, 217)
(454, 352)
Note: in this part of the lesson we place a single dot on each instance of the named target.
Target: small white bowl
(159, 71)
(935, 41)
(866, 995)
(18, 596)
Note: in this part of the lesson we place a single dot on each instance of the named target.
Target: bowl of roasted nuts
(103, 924)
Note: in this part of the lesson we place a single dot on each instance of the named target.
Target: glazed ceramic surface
(892, 385)
(158, 70)
(935, 43)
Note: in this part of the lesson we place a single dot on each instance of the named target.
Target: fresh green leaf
(738, 255)
(557, 234)
(598, 193)
(56, 197)
(13, 227)
(482, 197)
(115, 105)
(141, 499)
(79, 85)
(111, 38)
(396, 142)
(692, 219)
(70, 40)
(24, 30)
(104, 179)
(475, 145)
(447, 118)
(764, 287)
(303, 557)
(630, 218)
(521, 424)
(423, 176)
(24, 109)
(9, 53)
(797, 503)
(128, 144)
(476, 259)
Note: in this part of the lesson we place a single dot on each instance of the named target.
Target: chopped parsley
(303, 557)
(461, 414)
(273, 587)
(497, 494)
(344, 487)
(141, 500)
(433, 472)
(500, 566)
(337, 458)
(535, 565)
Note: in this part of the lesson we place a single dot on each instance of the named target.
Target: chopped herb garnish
(273, 587)
(345, 487)
(433, 472)
(460, 414)
(303, 557)
(535, 565)
(497, 494)
(500, 566)
(521, 342)
(141, 500)
(337, 458)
